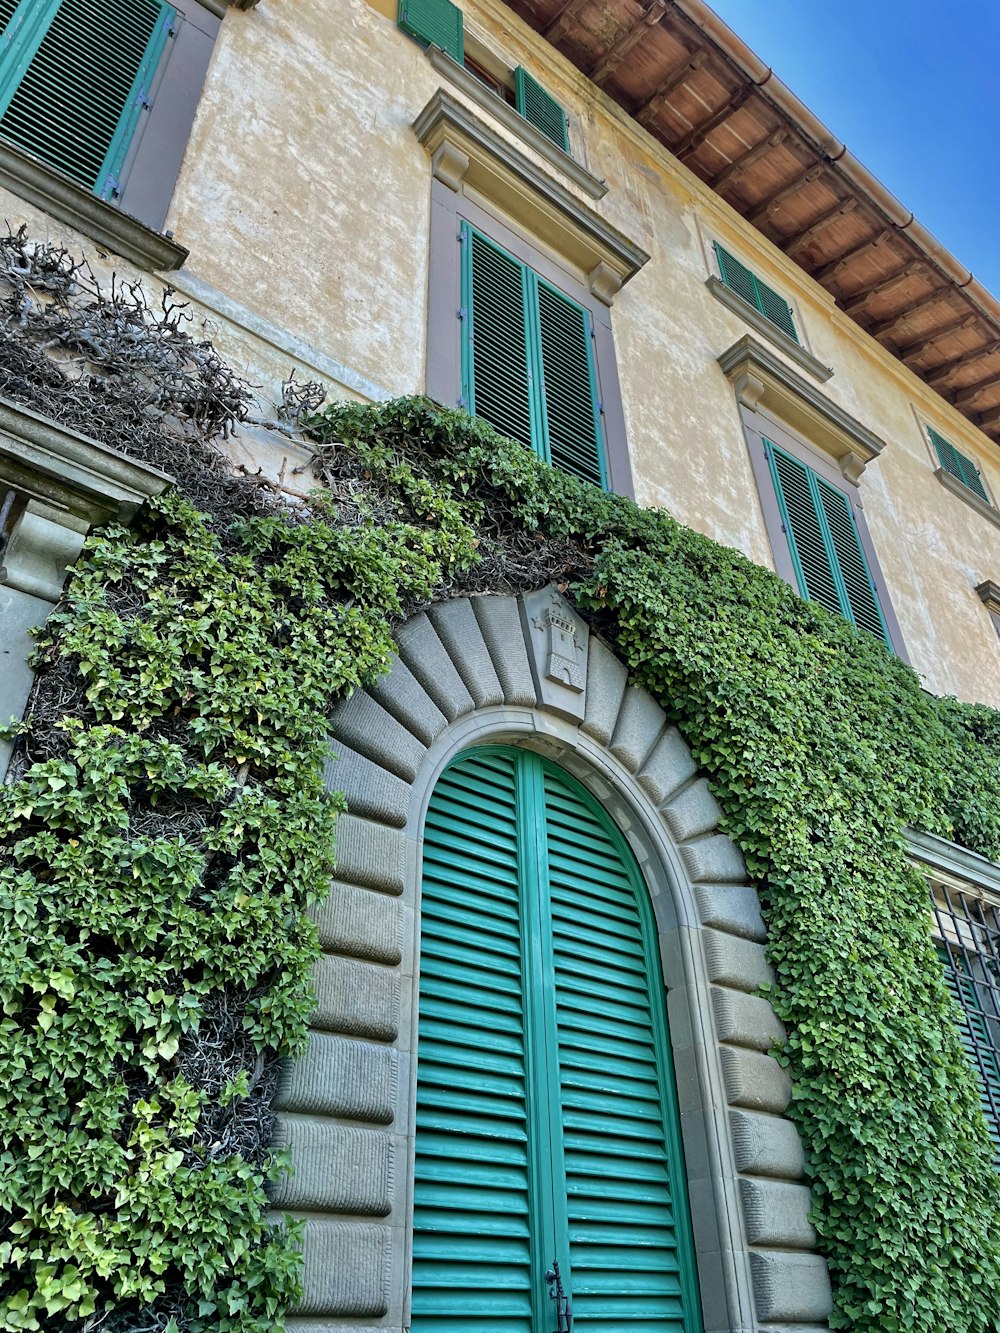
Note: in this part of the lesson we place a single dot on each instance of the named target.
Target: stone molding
(65, 469)
(767, 329)
(988, 593)
(466, 151)
(515, 123)
(959, 488)
(528, 671)
(44, 187)
(957, 862)
(764, 383)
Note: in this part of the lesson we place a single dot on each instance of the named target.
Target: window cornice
(795, 351)
(958, 862)
(467, 152)
(764, 382)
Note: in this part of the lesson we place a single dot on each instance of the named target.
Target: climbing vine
(167, 829)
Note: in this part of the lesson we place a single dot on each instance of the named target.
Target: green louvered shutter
(829, 561)
(569, 391)
(499, 387)
(472, 1262)
(76, 79)
(975, 1034)
(7, 8)
(629, 1251)
(855, 578)
(763, 298)
(540, 109)
(958, 464)
(804, 530)
(546, 1118)
(434, 22)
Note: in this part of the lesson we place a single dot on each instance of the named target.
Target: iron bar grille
(967, 933)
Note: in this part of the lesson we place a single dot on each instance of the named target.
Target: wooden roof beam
(650, 109)
(696, 137)
(796, 244)
(927, 344)
(937, 378)
(837, 266)
(609, 62)
(563, 21)
(859, 302)
(967, 397)
(889, 326)
(770, 206)
(989, 420)
(737, 167)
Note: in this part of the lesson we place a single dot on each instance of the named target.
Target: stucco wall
(304, 200)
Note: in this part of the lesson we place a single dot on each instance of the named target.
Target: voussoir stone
(733, 961)
(667, 768)
(734, 908)
(766, 1145)
(745, 1020)
(458, 629)
(692, 811)
(790, 1287)
(402, 695)
(500, 624)
(606, 681)
(369, 789)
(429, 661)
(776, 1213)
(714, 859)
(364, 725)
(640, 721)
(346, 1268)
(370, 854)
(754, 1081)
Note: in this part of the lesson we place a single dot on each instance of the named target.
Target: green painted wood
(823, 541)
(569, 390)
(434, 22)
(961, 467)
(757, 293)
(546, 1114)
(540, 108)
(528, 361)
(76, 78)
(7, 11)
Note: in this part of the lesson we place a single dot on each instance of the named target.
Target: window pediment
(468, 153)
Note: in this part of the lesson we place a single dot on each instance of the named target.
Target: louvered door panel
(500, 385)
(625, 1253)
(79, 99)
(7, 8)
(809, 551)
(861, 601)
(571, 416)
(471, 1248)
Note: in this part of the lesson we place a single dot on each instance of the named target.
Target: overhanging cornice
(468, 153)
(764, 383)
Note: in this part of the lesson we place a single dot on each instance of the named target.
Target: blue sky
(913, 89)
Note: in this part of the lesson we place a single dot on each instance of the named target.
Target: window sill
(958, 488)
(48, 189)
(512, 120)
(766, 329)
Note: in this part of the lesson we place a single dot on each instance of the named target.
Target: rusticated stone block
(754, 1081)
(365, 726)
(360, 999)
(734, 908)
(714, 859)
(336, 1169)
(776, 1213)
(346, 1269)
(402, 695)
(340, 1076)
(745, 1020)
(668, 767)
(766, 1145)
(606, 681)
(371, 791)
(791, 1287)
(362, 923)
(639, 724)
(500, 624)
(429, 661)
(736, 962)
(370, 854)
(458, 629)
(692, 812)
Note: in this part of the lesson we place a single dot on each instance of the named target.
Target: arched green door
(547, 1126)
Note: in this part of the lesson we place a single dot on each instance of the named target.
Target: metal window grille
(967, 927)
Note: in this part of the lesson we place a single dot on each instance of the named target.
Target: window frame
(953, 483)
(444, 371)
(151, 164)
(758, 430)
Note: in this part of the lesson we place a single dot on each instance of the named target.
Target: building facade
(611, 233)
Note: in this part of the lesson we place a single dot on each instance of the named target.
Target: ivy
(168, 830)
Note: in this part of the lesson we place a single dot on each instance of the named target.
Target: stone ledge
(766, 329)
(959, 488)
(41, 185)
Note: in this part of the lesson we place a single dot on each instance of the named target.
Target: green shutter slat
(800, 514)
(74, 83)
(763, 298)
(7, 8)
(961, 467)
(539, 108)
(572, 419)
(435, 23)
(499, 385)
(546, 1115)
(974, 1030)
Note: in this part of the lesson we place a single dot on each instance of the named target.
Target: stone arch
(528, 672)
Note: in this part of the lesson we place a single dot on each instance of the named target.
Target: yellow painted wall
(304, 196)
